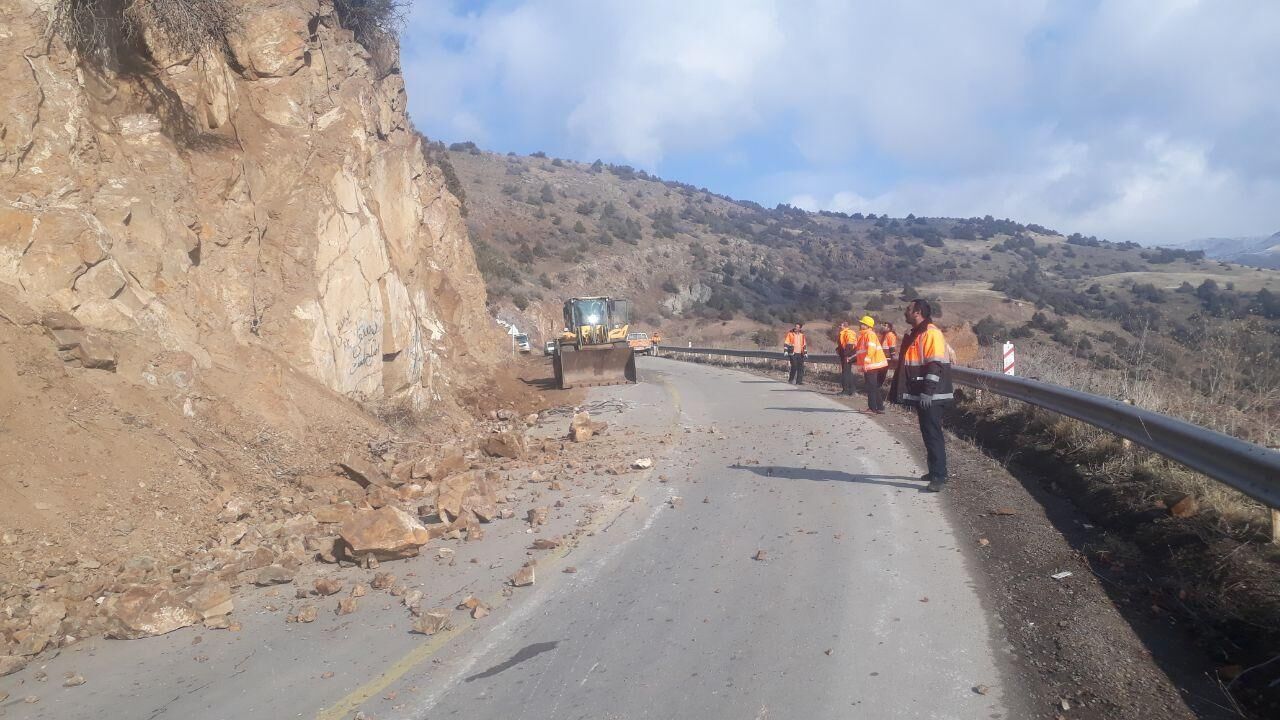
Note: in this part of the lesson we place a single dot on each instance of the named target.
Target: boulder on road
(507, 444)
(432, 621)
(209, 600)
(524, 576)
(470, 493)
(10, 664)
(143, 611)
(581, 428)
(387, 533)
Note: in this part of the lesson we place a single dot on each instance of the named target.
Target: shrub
(375, 23)
(108, 33)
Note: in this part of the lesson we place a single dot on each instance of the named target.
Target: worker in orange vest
(923, 379)
(870, 357)
(796, 346)
(889, 341)
(845, 349)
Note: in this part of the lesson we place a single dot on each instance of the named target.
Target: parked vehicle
(640, 342)
(549, 348)
(522, 343)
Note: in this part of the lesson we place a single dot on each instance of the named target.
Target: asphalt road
(862, 606)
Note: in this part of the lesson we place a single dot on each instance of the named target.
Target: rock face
(275, 197)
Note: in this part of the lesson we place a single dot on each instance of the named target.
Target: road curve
(862, 606)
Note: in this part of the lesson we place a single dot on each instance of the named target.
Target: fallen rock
(1186, 506)
(524, 576)
(760, 555)
(333, 513)
(412, 598)
(10, 664)
(143, 611)
(508, 444)
(274, 575)
(308, 613)
(327, 586)
(359, 590)
(382, 581)
(452, 461)
(363, 472)
(74, 680)
(537, 516)
(466, 495)
(387, 533)
(346, 606)
(581, 428)
(546, 543)
(642, 463)
(432, 622)
(209, 600)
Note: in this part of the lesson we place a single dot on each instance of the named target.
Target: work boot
(935, 486)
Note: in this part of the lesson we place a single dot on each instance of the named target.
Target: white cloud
(1127, 119)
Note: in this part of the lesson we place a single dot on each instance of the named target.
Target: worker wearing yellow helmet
(870, 358)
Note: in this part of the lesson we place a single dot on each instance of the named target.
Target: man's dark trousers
(935, 448)
(846, 377)
(797, 369)
(875, 399)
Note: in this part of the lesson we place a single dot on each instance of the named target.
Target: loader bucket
(591, 365)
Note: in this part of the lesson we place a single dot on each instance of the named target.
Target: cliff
(269, 193)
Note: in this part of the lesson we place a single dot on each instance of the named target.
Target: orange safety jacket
(795, 342)
(869, 354)
(925, 368)
(845, 345)
(890, 344)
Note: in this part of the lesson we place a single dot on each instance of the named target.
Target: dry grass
(376, 25)
(108, 33)
(1103, 456)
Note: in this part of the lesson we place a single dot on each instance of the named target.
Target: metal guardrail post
(1251, 469)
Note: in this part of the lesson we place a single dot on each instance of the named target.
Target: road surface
(861, 605)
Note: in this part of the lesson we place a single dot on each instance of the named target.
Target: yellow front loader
(593, 350)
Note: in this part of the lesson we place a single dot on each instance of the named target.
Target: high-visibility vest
(869, 353)
(846, 342)
(926, 365)
(889, 342)
(797, 341)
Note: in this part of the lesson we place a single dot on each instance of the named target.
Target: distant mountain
(1258, 251)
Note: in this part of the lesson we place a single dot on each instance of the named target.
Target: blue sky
(1153, 121)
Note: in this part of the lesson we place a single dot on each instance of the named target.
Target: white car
(522, 343)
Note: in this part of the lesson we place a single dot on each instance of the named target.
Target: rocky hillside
(225, 265)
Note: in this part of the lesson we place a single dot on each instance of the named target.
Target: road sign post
(1009, 359)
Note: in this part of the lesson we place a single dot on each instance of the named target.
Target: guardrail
(1251, 469)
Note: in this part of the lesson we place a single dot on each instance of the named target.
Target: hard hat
(868, 321)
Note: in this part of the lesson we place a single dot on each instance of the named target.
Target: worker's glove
(925, 401)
